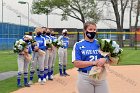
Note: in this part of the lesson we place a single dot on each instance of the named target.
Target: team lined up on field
(40, 51)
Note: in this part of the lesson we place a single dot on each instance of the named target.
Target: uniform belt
(84, 71)
(63, 47)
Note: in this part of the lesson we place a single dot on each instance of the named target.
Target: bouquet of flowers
(49, 43)
(34, 43)
(19, 46)
(109, 49)
(57, 43)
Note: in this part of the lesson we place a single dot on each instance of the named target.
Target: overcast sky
(12, 9)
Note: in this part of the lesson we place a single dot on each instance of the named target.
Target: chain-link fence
(9, 33)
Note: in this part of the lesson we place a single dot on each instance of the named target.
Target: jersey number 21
(93, 58)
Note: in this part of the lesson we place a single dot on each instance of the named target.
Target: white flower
(14, 48)
(21, 41)
(48, 41)
(60, 43)
(16, 43)
(20, 47)
(55, 40)
(116, 50)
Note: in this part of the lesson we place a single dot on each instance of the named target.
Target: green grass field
(8, 62)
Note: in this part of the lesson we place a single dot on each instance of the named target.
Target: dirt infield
(121, 79)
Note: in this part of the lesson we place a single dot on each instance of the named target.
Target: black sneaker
(19, 86)
(27, 85)
(50, 79)
(61, 75)
(66, 74)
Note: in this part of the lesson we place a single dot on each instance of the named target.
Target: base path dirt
(121, 79)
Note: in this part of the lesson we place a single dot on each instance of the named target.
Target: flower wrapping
(110, 49)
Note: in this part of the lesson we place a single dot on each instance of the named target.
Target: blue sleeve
(76, 53)
(30, 49)
(42, 47)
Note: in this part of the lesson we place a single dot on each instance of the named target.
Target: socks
(64, 69)
(25, 78)
(45, 73)
(18, 78)
(60, 69)
(31, 75)
(38, 73)
(41, 75)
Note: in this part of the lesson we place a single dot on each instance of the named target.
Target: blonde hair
(38, 29)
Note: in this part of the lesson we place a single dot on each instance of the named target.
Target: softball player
(38, 59)
(48, 57)
(54, 52)
(62, 53)
(23, 65)
(85, 55)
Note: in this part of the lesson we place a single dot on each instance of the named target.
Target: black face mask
(64, 34)
(44, 32)
(47, 34)
(26, 41)
(38, 33)
(90, 35)
(52, 34)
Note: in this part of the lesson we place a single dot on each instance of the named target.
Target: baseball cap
(64, 30)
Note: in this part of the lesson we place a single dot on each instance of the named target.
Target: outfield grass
(8, 62)
(130, 56)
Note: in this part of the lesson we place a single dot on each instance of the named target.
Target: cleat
(51, 76)
(27, 85)
(42, 83)
(44, 80)
(46, 77)
(19, 86)
(39, 80)
(30, 82)
(50, 79)
(65, 74)
(61, 75)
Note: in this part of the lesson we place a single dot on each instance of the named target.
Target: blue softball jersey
(65, 41)
(54, 39)
(86, 51)
(41, 42)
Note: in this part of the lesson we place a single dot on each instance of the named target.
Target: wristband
(107, 58)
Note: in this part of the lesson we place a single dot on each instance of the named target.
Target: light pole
(19, 25)
(47, 20)
(2, 15)
(22, 2)
(2, 11)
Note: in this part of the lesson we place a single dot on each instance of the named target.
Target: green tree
(82, 10)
